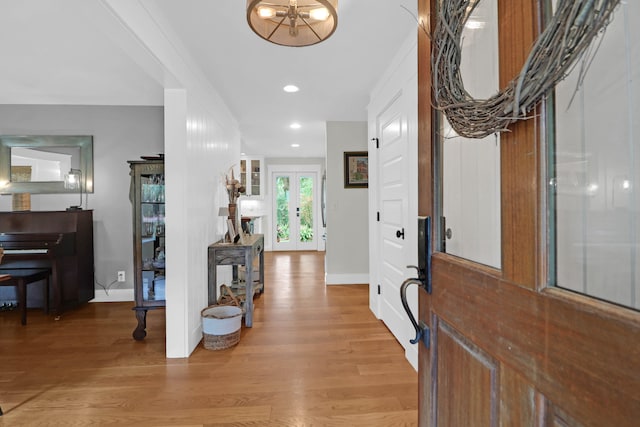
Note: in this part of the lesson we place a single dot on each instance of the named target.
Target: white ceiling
(72, 52)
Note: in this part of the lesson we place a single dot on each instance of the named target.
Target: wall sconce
(293, 22)
(73, 181)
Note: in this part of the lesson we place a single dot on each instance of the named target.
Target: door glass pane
(471, 167)
(306, 209)
(283, 208)
(594, 170)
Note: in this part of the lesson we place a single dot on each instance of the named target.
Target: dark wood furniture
(20, 279)
(23, 246)
(235, 254)
(70, 260)
(147, 198)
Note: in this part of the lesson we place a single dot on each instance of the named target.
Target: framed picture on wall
(356, 169)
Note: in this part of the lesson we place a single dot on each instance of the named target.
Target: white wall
(202, 142)
(119, 134)
(347, 244)
(199, 152)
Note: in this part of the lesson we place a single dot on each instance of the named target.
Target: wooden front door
(506, 348)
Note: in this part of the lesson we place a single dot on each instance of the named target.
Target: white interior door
(393, 190)
(295, 208)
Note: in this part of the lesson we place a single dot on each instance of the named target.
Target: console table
(234, 254)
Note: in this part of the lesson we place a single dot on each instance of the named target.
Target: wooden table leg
(22, 298)
(55, 286)
(248, 279)
(46, 295)
(261, 258)
(213, 280)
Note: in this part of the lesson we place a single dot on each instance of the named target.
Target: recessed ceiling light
(295, 145)
(295, 125)
(291, 88)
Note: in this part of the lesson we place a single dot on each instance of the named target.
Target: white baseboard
(114, 295)
(346, 279)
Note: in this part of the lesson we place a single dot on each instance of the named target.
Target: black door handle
(400, 234)
(423, 280)
(422, 330)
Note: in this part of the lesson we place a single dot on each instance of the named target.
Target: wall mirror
(38, 164)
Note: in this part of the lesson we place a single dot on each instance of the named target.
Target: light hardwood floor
(316, 356)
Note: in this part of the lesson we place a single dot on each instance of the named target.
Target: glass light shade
(319, 14)
(72, 179)
(265, 12)
(293, 22)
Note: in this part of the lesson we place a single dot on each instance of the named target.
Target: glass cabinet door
(251, 176)
(152, 237)
(255, 177)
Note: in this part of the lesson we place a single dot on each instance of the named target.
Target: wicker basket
(221, 342)
(221, 326)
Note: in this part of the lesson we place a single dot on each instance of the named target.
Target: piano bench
(20, 278)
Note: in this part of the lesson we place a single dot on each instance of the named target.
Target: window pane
(471, 167)
(282, 209)
(306, 209)
(597, 159)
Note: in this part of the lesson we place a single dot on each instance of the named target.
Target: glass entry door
(294, 211)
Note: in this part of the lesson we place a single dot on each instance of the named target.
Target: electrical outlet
(120, 276)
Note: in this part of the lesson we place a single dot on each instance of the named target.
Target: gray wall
(119, 134)
(347, 244)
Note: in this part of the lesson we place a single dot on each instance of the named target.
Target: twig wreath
(566, 38)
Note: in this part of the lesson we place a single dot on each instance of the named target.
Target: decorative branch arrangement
(565, 40)
(233, 186)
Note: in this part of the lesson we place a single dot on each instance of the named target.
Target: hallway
(315, 356)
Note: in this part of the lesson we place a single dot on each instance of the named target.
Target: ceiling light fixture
(293, 22)
(291, 88)
(295, 145)
(295, 125)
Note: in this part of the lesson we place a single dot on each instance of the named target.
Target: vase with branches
(234, 188)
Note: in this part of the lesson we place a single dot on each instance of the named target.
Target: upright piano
(60, 240)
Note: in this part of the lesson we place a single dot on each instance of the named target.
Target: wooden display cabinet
(147, 198)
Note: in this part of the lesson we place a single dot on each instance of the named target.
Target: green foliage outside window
(306, 209)
(282, 209)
